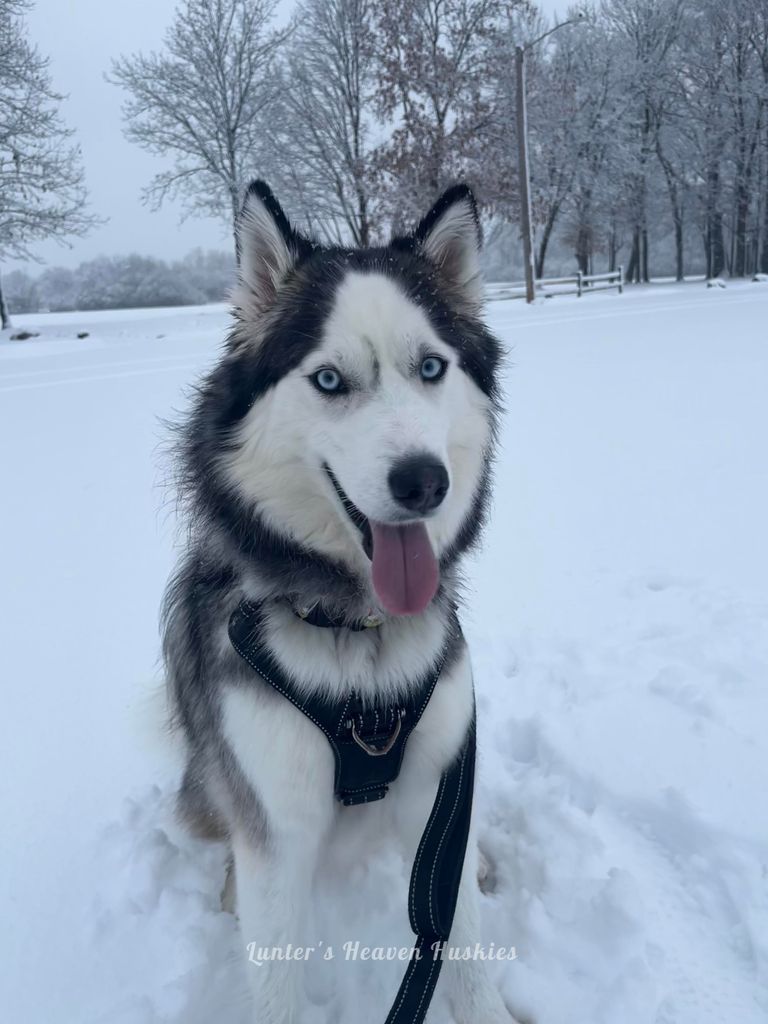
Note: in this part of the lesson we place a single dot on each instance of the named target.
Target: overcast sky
(81, 37)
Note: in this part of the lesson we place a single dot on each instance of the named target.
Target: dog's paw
(486, 872)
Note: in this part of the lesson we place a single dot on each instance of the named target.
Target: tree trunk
(644, 248)
(582, 249)
(676, 204)
(637, 261)
(716, 246)
(362, 212)
(715, 240)
(612, 247)
(545, 237)
(632, 259)
(679, 249)
(741, 241)
(764, 254)
(5, 319)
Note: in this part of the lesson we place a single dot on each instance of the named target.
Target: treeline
(123, 282)
(648, 120)
(648, 130)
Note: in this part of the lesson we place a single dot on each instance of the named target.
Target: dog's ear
(449, 237)
(268, 248)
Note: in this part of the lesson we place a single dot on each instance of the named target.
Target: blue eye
(328, 380)
(433, 368)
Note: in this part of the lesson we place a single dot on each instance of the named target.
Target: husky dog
(336, 459)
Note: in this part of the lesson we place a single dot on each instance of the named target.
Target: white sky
(81, 37)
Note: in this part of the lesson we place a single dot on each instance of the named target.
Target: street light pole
(523, 164)
(526, 222)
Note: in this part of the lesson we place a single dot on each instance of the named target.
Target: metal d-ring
(377, 751)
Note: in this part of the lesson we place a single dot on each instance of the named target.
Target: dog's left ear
(449, 237)
(268, 248)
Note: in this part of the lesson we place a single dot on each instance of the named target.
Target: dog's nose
(419, 483)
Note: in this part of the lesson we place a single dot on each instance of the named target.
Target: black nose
(419, 483)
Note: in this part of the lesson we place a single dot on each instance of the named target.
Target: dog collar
(315, 616)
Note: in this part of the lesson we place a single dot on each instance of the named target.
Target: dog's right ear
(268, 248)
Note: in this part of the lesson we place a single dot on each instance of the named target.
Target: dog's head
(345, 438)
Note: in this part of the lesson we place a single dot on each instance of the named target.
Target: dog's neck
(315, 586)
(377, 662)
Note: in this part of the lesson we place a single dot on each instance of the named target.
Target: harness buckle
(377, 751)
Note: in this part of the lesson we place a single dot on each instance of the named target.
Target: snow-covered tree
(57, 287)
(125, 282)
(644, 33)
(210, 274)
(321, 125)
(759, 43)
(576, 116)
(21, 291)
(133, 281)
(202, 102)
(42, 190)
(724, 57)
(436, 69)
(741, 22)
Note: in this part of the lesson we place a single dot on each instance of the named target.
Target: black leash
(434, 888)
(368, 744)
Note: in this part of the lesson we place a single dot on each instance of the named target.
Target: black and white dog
(335, 468)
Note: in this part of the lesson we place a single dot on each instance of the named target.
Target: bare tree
(575, 119)
(42, 191)
(203, 100)
(321, 125)
(435, 64)
(746, 106)
(645, 33)
(759, 41)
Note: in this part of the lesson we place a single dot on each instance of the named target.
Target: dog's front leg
(273, 885)
(289, 765)
(473, 996)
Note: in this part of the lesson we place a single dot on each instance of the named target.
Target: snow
(619, 625)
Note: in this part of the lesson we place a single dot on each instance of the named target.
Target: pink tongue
(405, 571)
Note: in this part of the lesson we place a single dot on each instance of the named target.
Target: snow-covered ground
(619, 623)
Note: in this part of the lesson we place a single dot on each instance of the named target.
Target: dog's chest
(287, 760)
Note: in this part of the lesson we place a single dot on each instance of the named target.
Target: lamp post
(526, 221)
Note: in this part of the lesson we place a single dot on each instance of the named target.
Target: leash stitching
(442, 838)
(422, 845)
(426, 984)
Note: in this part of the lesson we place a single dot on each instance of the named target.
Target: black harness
(368, 744)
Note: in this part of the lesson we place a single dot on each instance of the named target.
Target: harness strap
(368, 744)
(368, 741)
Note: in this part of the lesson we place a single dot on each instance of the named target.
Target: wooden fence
(580, 284)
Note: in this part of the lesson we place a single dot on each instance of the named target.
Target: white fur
(453, 246)
(265, 259)
(376, 662)
(375, 336)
